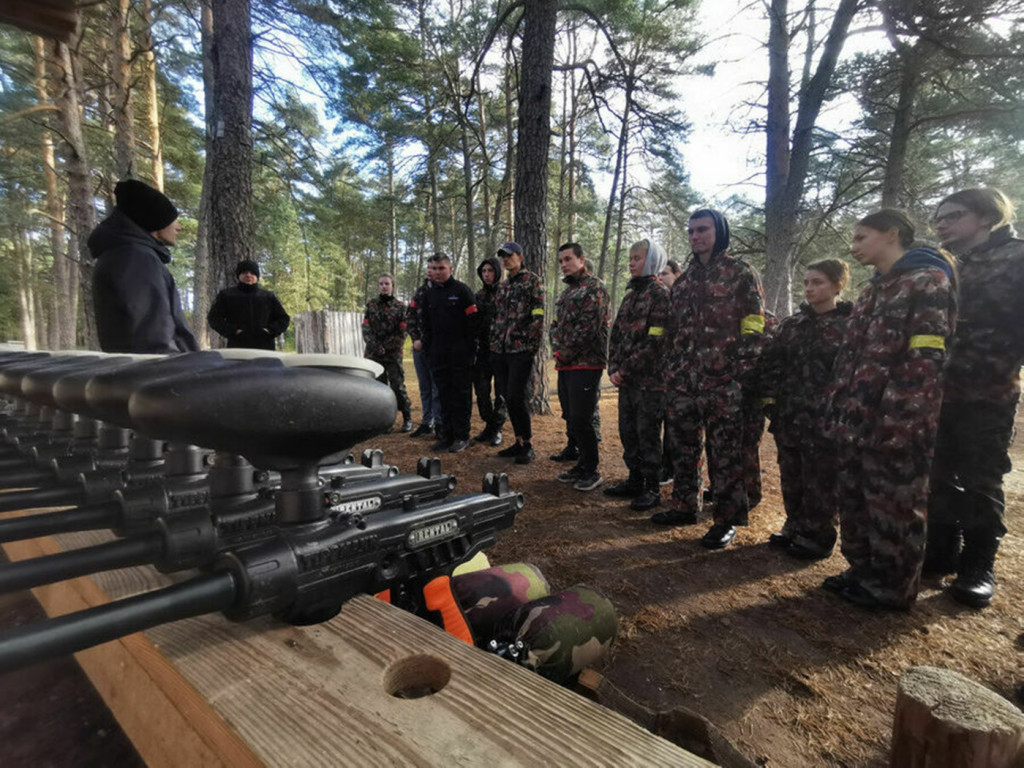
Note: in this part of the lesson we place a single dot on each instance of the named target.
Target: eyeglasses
(950, 218)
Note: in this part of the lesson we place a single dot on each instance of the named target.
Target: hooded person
(135, 300)
(716, 323)
(492, 411)
(246, 315)
(636, 366)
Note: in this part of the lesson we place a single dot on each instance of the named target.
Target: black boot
(975, 579)
(649, 498)
(626, 489)
(942, 551)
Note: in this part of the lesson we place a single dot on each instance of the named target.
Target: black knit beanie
(150, 208)
(245, 265)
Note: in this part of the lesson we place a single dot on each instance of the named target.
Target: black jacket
(253, 311)
(449, 316)
(135, 301)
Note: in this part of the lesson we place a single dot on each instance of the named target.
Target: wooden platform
(209, 692)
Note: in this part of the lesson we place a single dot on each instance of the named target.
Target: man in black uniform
(245, 314)
(449, 333)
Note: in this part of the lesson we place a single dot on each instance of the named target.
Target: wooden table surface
(210, 692)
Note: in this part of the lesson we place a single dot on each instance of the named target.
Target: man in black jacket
(449, 334)
(135, 300)
(247, 315)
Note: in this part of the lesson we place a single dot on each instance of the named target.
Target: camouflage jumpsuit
(716, 320)
(516, 333)
(384, 334)
(492, 412)
(982, 387)
(883, 413)
(579, 342)
(796, 371)
(636, 351)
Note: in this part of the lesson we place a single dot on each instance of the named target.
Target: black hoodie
(485, 306)
(135, 300)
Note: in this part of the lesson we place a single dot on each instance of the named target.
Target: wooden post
(945, 720)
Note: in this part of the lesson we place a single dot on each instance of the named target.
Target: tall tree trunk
(435, 200)
(26, 278)
(81, 214)
(121, 95)
(202, 289)
(231, 157)
(61, 325)
(620, 228)
(532, 148)
(392, 209)
(618, 178)
(911, 58)
(485, 175)
(467, 176)
(152, 97)
(787, 165)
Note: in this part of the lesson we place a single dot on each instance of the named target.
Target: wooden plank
(318, 695)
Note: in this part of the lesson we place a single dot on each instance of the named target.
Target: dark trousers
(807, 475)
(492, 412)
(641, 413)
(511, 381)
(394, 377)
(430, 400)
(970, 461)
(578, 392)
(455, 388)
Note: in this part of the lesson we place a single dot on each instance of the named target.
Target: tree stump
(945, 720)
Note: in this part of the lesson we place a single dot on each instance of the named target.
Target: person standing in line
(636, 365)
(516, 334)
(796, 371)
(384, 326)
(135, 300)
(982, 388)
(492, 412)
(667, 277)
(579, 341)
(883, 410)
(247, 316)
(716, 324)
(430, 400)
(449, 336)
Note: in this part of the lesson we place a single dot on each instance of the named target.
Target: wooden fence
(337, 333)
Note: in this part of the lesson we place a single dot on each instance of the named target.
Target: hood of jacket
(496, 264)
(923, 256)
(118, 231)
(721, 228)
(656, 258)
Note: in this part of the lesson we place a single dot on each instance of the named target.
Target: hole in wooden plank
(416, 676)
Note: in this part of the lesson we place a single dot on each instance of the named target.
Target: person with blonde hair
(982, 387)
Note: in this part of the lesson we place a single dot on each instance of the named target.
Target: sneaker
(569, 453)
(423, 429)
(525, 455)
(407, 425)
(495, 439)
(570, 475)
(719, 536)
(666, 478)
(483, 436)
(458, 446)
(646, 500)
(624, 489)
(512, 451)
(588, 482)
(441, 445)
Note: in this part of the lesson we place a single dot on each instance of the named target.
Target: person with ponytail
(982, 387)
(797, 371)
(884, 410)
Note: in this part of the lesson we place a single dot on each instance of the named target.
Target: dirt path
(745, 636)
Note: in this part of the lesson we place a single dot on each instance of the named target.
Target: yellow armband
(752, 324)
(926, 341)
(655, 331)
(538, 312)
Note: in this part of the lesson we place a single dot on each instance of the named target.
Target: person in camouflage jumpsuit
(795, 374)
(884, 410)
(492, 412)
(579, 343)
(982, 387)
(430, 400)
(384, 334)
(716, 320)
(516, 334)
(636, 365)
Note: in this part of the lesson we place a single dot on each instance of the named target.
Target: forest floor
(790, 674)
